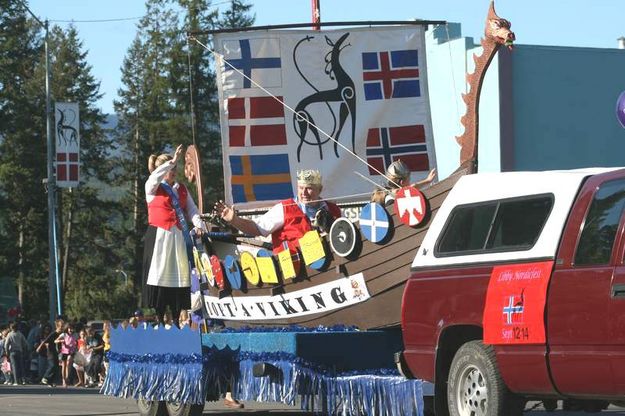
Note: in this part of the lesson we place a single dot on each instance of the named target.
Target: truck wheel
(151, 408)
(184, 409)
(475, 387)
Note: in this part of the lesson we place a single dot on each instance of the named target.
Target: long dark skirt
(161, 297)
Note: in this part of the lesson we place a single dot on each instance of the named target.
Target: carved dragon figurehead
(497, 33)
(498, 29)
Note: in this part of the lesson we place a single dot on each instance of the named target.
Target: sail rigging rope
(312, 125)
(451, 67)
(191, 104)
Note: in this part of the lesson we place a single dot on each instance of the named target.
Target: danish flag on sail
(256, 121)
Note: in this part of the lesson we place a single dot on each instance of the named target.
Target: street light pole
(54, 292)
(53, 274)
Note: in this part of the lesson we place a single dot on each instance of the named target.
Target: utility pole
(54, 294)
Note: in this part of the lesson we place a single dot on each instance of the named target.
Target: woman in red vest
(166, 269)
(290, 219)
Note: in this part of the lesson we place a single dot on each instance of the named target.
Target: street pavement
(33, 400)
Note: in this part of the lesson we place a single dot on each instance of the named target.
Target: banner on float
(67, 127)
(364, 87)
(515, 304)
(326, 297)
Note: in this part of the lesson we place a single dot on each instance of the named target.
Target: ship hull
(385, 268)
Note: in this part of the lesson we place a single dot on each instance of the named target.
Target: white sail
(364, 87)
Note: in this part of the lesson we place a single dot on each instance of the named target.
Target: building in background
(542, 107)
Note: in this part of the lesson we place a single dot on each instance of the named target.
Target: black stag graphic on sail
(66, 134)
(344, 93)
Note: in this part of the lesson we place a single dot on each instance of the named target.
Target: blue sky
(596, 23)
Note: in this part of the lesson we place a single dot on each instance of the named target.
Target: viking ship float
(352, 280)
(320, 325)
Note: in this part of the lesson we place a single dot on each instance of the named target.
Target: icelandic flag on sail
(255, 121)
(260, 177)
(387, 144)
(391, 74)
(258, 59)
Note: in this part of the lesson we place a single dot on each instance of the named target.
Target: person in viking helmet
(398, 174)
(290, 219)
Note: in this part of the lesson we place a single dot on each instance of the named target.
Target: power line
(121, 19)
(97, 21)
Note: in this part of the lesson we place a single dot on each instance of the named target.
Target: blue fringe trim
(168, 377)
(192, 378)
(370, 392)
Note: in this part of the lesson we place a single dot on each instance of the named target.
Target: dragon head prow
(498, 29)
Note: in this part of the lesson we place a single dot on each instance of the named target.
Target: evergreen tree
(23, 238)
(166, 81)
(196, 93)
(88, 258)
(238, 15)
(149, 121)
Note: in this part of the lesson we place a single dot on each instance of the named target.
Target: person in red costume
(166, 270)
(290, 219)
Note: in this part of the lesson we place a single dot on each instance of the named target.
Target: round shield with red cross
(410, 205)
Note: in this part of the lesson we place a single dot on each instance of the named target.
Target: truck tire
(151, 408)
(184, 409)
(475, 387)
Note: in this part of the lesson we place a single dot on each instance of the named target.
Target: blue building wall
(564, 107)
(542, 107)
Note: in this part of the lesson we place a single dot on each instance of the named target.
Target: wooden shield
(249, 268)
(410, 206)
(343, 237)
(218, 272)
(374, 222)
(233, 272)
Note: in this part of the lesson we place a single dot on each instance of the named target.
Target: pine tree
(23, 238)
(86, 217)
(238, 15)
(197, 93)
(149, 121)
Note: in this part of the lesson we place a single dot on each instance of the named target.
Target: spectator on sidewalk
(68, 345)
(15, 346)
(52, 354)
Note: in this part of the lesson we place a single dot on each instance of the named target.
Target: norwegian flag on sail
(255, 121)
(387, 144)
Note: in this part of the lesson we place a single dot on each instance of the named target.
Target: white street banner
(366, 88)
(345, 291)
(67, 122)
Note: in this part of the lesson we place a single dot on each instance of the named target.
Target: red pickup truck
(518, 292)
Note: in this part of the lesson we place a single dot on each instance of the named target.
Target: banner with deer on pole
(67, 128)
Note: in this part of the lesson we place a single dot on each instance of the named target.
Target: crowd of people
(71, 353)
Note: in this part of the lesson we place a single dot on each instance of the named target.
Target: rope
(451, 66)
(335, 198)
(192, 105)
(220, 56)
